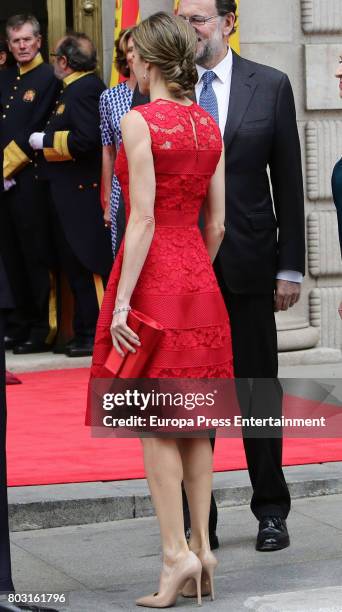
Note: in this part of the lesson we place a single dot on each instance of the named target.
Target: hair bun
(169, 43)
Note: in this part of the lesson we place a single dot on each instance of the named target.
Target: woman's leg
(197, 460)
(164, 472)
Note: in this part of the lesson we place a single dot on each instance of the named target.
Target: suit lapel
(242, 89)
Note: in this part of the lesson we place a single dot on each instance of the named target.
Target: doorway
(38, 8)
(56, 17)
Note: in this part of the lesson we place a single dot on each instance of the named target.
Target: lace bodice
(186, 147)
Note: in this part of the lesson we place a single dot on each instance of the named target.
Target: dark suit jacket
(71, 162)
(261, 133)
(26, 101)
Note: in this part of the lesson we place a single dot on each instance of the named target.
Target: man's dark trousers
(253, 331)
(260, 394)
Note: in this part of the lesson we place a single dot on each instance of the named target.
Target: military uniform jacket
(27, 96)
(71, 161)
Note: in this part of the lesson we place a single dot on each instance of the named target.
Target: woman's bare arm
(140, 227)
(214, 210)
(108, 159)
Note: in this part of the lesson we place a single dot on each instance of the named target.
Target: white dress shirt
(221, 87)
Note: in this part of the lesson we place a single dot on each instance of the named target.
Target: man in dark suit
(69, 155)
(28, 91)
(261, 262)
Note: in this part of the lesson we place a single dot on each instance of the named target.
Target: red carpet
(48, 442)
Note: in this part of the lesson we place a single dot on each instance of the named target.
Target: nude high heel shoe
(209, 563)
(189, 567)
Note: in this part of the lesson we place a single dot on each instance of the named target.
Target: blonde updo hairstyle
(169, 43)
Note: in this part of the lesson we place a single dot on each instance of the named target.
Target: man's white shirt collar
(222, 70)
(221, 85)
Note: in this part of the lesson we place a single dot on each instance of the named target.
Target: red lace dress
(177, 286)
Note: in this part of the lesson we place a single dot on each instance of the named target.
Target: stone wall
(304, 38)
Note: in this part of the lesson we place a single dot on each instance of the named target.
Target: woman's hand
(122, 335)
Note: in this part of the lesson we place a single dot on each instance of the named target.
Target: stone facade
(304, 39)
(305, 42)
(318, 16)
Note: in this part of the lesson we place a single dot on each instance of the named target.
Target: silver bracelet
(121, 309)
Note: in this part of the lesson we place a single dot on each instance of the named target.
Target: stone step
(42, 507)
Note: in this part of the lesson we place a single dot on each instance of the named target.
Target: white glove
(8, 183)
(36, 140)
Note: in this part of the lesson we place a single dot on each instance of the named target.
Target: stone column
(108, 24)
(280, 36)
(322, 27)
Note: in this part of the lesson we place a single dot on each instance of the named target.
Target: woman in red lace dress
(170, 166)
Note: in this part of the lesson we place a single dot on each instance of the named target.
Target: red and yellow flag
(234, 40)
(126, 16)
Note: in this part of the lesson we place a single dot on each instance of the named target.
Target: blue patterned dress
(114, 104)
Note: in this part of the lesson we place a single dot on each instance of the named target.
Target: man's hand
(286, 295)
(340, 310)
(8, 183)
(36, 140)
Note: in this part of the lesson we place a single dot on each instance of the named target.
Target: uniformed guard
(28, 92)
(70, 164)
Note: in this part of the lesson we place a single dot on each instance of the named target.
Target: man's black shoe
(213, 539)
(273, 534)
(80, 347)
(62, 349)
(9, 342)
(31, 346)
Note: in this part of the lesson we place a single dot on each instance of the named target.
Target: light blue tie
(208, 99)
